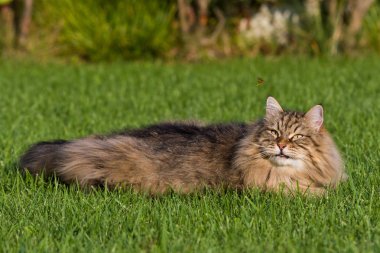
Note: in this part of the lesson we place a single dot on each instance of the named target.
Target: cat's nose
(281, 145)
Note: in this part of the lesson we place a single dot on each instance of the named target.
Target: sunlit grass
(39, 102)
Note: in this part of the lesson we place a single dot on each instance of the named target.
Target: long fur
(42, 157)
(188, 156)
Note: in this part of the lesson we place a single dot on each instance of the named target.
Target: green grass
(48, 101)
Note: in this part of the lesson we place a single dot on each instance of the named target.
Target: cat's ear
(314, 117)
(273, 108)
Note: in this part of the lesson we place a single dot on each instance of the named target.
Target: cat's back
(188, 132)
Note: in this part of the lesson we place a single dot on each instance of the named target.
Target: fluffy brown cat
(285, 150)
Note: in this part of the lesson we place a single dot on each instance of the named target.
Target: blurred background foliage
(98, 30)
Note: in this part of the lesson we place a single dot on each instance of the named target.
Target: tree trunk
(22, 20)
(358, 10)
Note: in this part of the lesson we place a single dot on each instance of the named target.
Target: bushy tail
(42, 157)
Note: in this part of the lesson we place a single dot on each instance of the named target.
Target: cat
(285, 150)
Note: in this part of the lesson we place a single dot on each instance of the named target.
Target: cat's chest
(287, 164)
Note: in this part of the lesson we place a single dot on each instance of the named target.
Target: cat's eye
(296, 137)
(274, 133)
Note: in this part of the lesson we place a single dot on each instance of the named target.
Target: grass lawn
(49, 101)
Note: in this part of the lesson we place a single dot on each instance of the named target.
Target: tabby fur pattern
(286, 150)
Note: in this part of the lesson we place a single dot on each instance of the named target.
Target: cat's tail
(42, 157)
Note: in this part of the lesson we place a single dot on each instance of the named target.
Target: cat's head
(291, 138)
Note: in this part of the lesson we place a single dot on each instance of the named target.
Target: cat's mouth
(283, 156)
